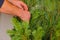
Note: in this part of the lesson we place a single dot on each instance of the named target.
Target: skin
(10, 8)
(19, 4)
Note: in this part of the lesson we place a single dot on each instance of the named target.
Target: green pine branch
(44, 23)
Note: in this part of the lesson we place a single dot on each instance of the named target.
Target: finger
(18, 5)
(23, 5)
(25, 16)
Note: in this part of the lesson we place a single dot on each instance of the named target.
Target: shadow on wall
(5, 23)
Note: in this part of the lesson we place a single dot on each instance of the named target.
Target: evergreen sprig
(44, 23)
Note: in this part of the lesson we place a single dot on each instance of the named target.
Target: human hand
(8, 8)
(19, 4)
(25, 15)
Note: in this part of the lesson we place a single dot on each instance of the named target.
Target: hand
(25, 15)
(8, 8)
(19, 4)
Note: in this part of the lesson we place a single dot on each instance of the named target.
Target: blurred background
(5, 24)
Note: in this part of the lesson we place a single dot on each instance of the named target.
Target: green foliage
(44, 23)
